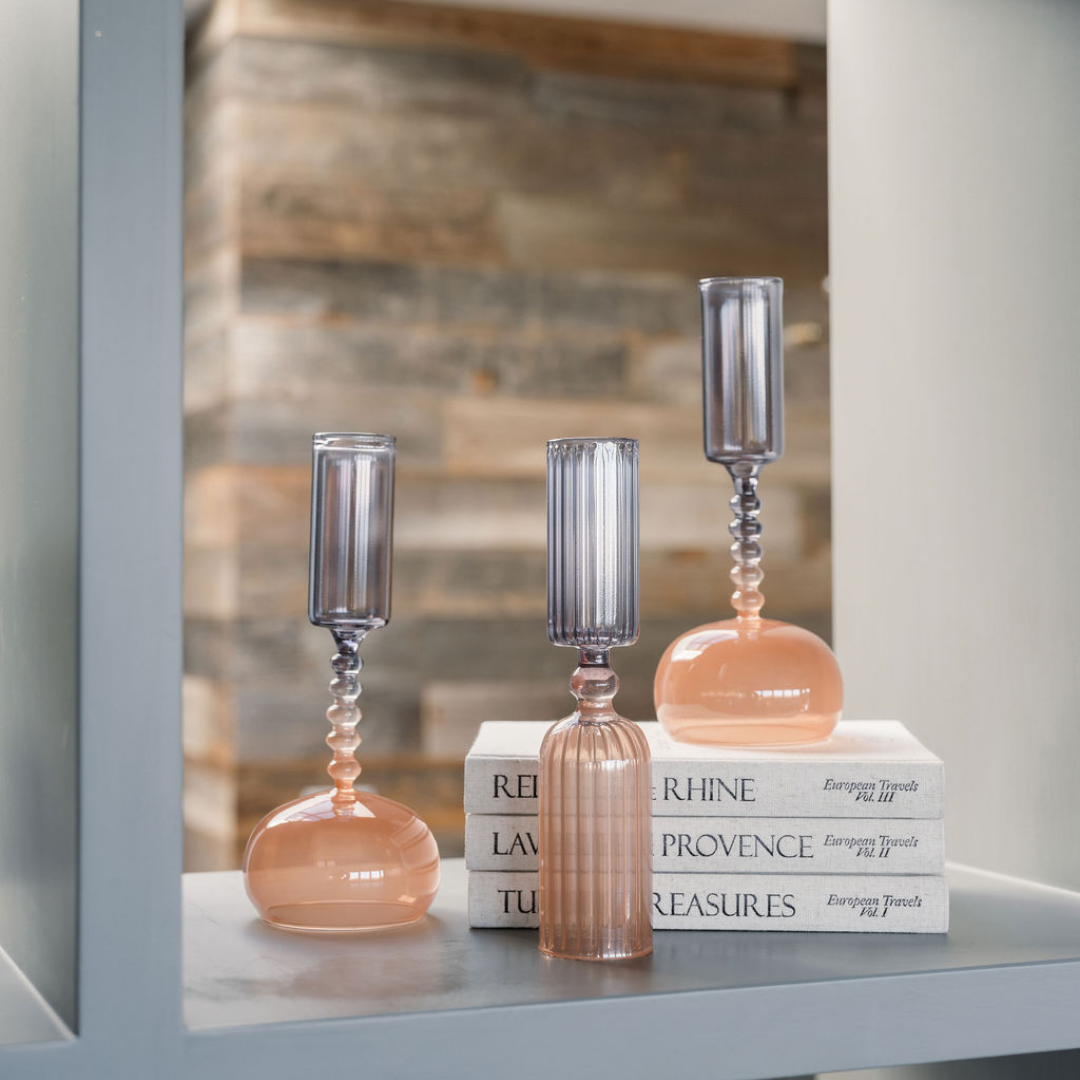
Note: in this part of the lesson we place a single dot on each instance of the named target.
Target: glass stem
(344, 715)
(594, 685)
(746, 574)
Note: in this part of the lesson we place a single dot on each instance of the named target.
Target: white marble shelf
(1006, 979)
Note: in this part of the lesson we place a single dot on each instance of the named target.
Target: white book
(831, 903)
(868, 769)
(739, 845)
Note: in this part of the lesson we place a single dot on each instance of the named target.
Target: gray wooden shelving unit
(235, 1000)
(441, 1001)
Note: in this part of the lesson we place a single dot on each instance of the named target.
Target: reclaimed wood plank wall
(475, 230)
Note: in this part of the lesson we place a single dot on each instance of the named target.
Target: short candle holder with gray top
(345, 859)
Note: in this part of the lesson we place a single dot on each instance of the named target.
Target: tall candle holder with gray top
(345, 859)
(746, 681)
(595, 776)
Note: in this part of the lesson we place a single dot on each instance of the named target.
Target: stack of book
(846, 836)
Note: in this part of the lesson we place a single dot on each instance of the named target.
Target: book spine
(830, 903)
(739, 845)
(791, 789)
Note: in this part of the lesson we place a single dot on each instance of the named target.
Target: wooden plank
(288, 357)
(218, 25)
(207, 439)
(478, 585)
(211, 292)
(659, 110)
(211, 582)
(451, 711)
(210, 801)
(505, 437)
(209, 648)
(548, 233)
(396, 293)
(668, 369)
(209, 721)
(391, 154)
(432, 150)
(315, 219)
(448, 82)
(228, 504)
(287, 656)
(206, 371)
(629, 50)
(456, 84)
(211, 517)
(278, 432)
(284, 719)
(266, 507)
(212, 210)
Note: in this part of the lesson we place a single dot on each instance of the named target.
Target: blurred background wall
(475, 230)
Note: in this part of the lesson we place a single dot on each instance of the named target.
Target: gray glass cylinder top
(743, 359)
(352, 515)
(592, 490)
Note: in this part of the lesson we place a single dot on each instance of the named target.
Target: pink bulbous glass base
(748, 682)
(311, 865)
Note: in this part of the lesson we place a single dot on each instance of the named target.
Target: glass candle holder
(595, 777)
(345, 859)
(746, 681)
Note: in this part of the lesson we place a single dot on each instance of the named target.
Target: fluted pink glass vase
(595, 772)
(746, 681)
(345, 859)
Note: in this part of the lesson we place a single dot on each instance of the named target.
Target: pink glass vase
(595, 772)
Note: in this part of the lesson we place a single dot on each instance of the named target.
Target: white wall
(39, 319)
(955, 260)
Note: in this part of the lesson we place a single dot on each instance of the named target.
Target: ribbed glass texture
(595, 776)
(743, 363)
(593, 542)
(352, 513)
(595, 829)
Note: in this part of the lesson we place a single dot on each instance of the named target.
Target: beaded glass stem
(344, 715)
(345, 859)
(595, 773)
(746, 574)
(746, 681)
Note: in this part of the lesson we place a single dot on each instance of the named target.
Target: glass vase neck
(746, 575)
(588, 657)
(344, 716)
(595, 685)
(349, 637)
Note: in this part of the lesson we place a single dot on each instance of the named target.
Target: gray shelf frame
(443, 1000)
(130, 1024)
